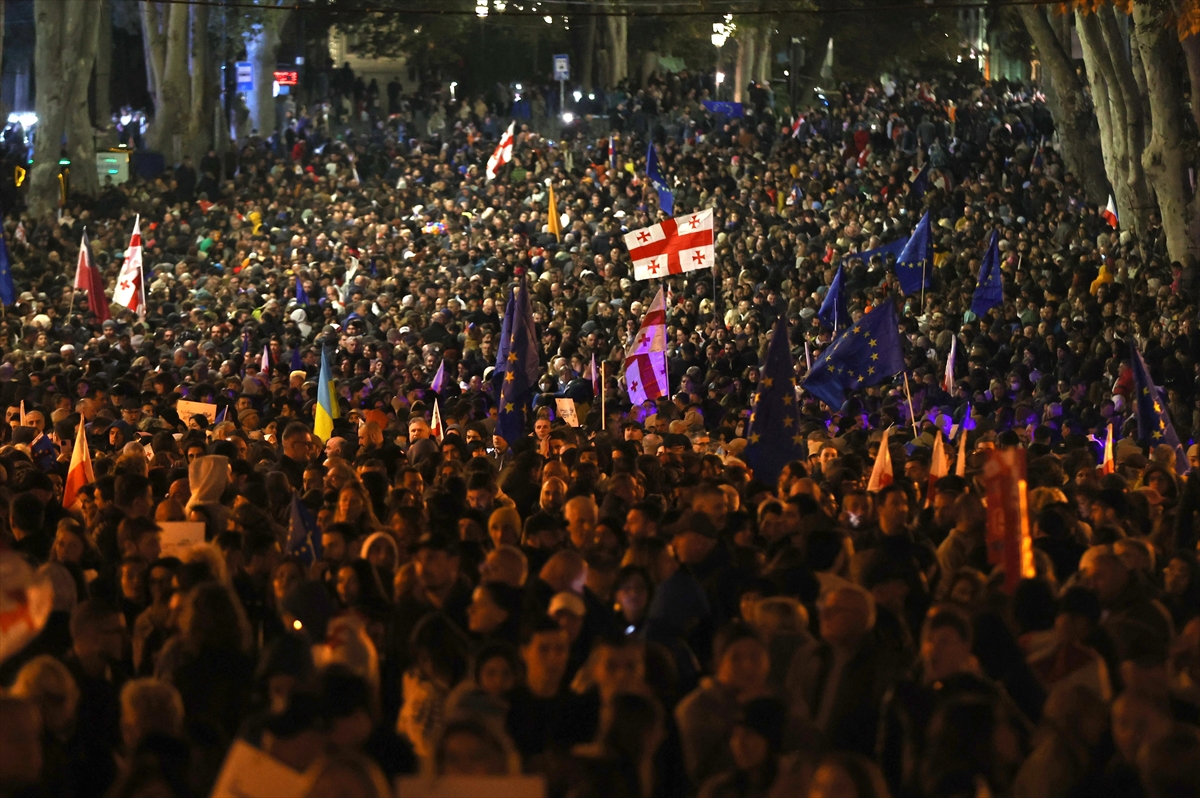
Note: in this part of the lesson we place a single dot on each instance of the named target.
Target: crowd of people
(623, 607)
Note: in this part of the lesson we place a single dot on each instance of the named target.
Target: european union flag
(732, 110)
(1154, 422)
(774, 432)
(912, 267)
(301, 294)
(990, 291)
(304, 541)
(833, 309)
(666, 200)
(920, 183)
(8, 294)
(894, 248)
(521, 366)
(866, 354)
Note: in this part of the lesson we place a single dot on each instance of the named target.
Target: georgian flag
(646, 359)
(130, 291)
(1110, 213)
(672, 246)
(503, 153)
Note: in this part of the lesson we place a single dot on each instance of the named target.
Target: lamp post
(721, 31)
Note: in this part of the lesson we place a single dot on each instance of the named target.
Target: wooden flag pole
(603, 391)
(912, 416)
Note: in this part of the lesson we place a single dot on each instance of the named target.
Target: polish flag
(881, 473)
(646, 358)
(1110, 213)
(80, 472)
(948, 380)
(130, 290)
(796, 127)
(503, 153)
(87, 277)
(1108, 466)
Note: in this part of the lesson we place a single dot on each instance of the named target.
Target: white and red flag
(948, 380)
(796, 125)
(672, 246)
(939, 466)
(79, 474)
(503, 153)
(646, 359)
(87, 277)
(1108, 465)
(1110, 213)
(881, 473)
(130, 290)
(436, 427)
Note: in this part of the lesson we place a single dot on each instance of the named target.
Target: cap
(568, 602)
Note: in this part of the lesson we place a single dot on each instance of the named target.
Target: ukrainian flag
(327, 404)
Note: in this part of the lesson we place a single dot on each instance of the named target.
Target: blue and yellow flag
(866, 354)
(834, 311)
(989, 293)
(304, 540)
(915, 261)
(666, 200)
(1153, 420)
(327, 404)
(774, 432)
(521, 366)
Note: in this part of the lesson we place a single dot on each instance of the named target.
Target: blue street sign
(562, 67)
(245, 76)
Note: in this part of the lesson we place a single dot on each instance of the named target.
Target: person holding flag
(326, 409)
(88, 277)
(989, 293)
(79, 472)
(1153, 421)
(521, 366)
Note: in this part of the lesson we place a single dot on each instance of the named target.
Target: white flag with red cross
(646, 358)
(673, 246)
(503, 152)
(130, 291)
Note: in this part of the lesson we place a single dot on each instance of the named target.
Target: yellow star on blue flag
(863, 355)
(774, 433)
(1153, 420)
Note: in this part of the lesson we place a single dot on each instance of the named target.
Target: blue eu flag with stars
(866, 354)
(774, 432)
(990, 291)
(521, 366)
(304, 540)
(833, 309)
(912, 267)
(8, 294)
(666, 200)
(1153, 420)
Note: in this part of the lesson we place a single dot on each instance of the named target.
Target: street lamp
(721, 31)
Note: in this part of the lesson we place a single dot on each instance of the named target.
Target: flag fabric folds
(989, 293)
(672, 246)
(1107, 464)
(960, 460)
(523, 368)
(866, 354)
(912, 266)
(79, 473)
(301, 294)
(774, 430)
(666, 200)
(1110, 213)
(131, 289)
(939, 466)
(1153, 420)
(436, 426)
(834, 310)
(503, 152)
(646, 357)
(893, 248)
(87, 277)
(304, 541)
(881, 472)
(439, 378)
(553, 223)
(948, 378)
(327, 403)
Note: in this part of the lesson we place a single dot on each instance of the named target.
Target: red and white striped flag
(796, 125)
(130, 291)
(948, 380)
(939, 466)
(503, 153)
(672, 246)
(436, 426)
(79, 473)
(1108, 465)
(646, 359)
(87, 277)
(1110, 213)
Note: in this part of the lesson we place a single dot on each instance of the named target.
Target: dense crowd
(624, 607)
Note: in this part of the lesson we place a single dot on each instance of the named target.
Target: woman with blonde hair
(48, 683)
(504, 527)
(354, 508)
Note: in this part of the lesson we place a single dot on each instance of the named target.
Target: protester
(357, 369)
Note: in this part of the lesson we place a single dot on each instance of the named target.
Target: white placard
(186, 409)
(179, 536)
(566, 411)
(251, 773)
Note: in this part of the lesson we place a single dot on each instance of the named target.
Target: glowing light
(549, 20)
(568, 117)
(577, 94)
(297, 625)
(25, 118)
(720, 77)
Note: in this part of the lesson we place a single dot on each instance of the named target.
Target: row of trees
(1121, 117)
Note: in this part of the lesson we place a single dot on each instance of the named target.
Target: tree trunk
(64, 54)
(154, 45)
(1117, 44)
(618, 48)
(261, 46)
(199, 132)
(1078, 133)
(587, 70)
(1191, 54)
(104, 66)
(762, 70)
(746, 39)
(1120, 126)
(1163, 158)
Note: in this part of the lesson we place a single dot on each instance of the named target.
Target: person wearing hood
(208, 476)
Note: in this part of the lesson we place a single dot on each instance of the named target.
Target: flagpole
(912, 416)
(603, 392)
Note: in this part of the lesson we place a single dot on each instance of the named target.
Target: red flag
(881, 473)
(503, 153)
(1107, 465)
(672, 246)
(1110, 213)
(948, 380)
(436, 427)
(646, 359)
(87, 277)
(80, 472)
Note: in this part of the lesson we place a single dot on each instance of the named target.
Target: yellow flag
(554, 224)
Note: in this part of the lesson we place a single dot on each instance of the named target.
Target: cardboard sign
(186, 409)
(470, 787)
(1008, 540)
(251, 773)
(179, 536)
(566, 411)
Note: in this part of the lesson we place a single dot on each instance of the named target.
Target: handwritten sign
(186, 409)
(566, 411)
(179, 536)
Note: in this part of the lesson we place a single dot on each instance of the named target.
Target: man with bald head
(581, 515)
